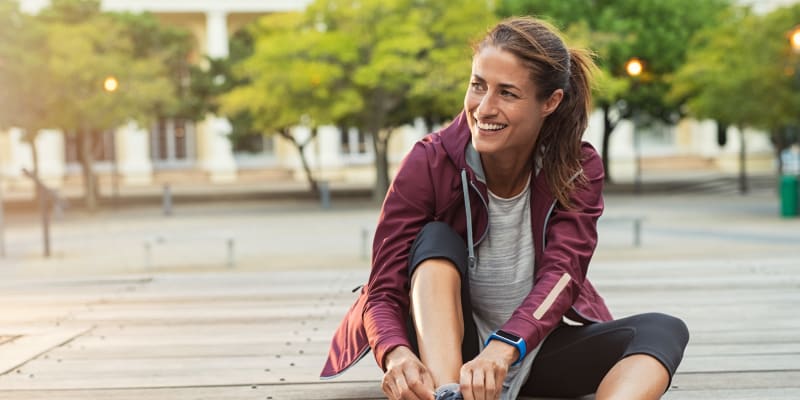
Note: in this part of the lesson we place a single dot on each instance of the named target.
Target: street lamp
(634, 67)
(110, 85)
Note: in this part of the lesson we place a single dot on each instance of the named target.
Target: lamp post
(110, 85)
(634, 68)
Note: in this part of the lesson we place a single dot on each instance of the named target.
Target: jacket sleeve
(570, 240)
(407, 207)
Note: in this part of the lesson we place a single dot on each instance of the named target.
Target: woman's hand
(482, 378)
(406, 378)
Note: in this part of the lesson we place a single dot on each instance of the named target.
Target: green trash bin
(789, 195)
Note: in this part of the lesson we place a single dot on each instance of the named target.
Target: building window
(172, 142)
(353, 141)
(254, 144)
(102, 147)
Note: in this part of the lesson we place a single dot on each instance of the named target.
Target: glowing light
(110, 84)
(634, 67)
(794, 39)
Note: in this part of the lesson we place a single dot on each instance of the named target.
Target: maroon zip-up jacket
(429, 187)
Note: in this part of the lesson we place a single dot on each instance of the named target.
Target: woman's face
(503, 112)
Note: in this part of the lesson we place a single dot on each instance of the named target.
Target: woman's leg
(629, 358)
(639, 376)
(436, 312)
(441, 328)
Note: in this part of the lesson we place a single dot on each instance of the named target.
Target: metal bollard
(148, 259)
(166, 203)
(637, 232)
(324, 194)
(231, 262)
(364, 243)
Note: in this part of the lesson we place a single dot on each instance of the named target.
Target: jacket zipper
(485, 206)
(544, 242)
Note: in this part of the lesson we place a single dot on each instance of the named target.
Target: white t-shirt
(503, 275)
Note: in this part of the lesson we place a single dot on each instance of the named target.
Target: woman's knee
(438, 245)
(666, 323)
(439, 273)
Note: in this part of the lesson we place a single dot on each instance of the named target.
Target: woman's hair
(538, 45)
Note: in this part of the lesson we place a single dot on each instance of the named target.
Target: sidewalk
(106, 318)
(246, 228)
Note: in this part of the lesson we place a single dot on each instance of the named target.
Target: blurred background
(106, 106)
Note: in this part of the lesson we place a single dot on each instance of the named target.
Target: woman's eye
(506, 93)
(476, 86)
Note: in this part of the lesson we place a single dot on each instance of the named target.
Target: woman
(478, 288)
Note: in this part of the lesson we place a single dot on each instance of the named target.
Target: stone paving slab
(264, 334)
(187, 325)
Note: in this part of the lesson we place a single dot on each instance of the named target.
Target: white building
(180, 151)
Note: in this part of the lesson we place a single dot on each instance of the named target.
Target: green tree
(374, 65)
(171, 47)
(743, 73)
(85, 47)
(653, 31)
(292, 78)
(27, 88)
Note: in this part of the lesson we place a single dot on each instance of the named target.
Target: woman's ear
(552, 102)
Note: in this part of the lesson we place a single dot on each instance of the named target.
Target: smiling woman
(449, 316)
(505, 116)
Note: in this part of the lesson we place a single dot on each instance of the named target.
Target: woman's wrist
(498, 350)
(396, 354)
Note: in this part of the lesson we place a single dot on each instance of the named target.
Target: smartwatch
(511, 339)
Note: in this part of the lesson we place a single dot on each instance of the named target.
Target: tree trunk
(312, 183)
(87, 163)
(778, 144)
(34, 156)
(379, 145)
(31, 137)
(608, 127)
(742, 162)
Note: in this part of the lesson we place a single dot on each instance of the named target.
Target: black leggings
(573, 359)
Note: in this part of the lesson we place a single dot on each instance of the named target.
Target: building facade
(178, 151)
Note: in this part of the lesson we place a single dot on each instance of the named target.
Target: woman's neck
(506, 178)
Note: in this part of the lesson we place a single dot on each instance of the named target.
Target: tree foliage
(26, 84)
(654, 31)
(373, 65)
(53, 67)
(744, 73)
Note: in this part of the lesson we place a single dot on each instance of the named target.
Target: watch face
(509, 336)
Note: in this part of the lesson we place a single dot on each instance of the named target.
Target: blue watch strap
(504, 337)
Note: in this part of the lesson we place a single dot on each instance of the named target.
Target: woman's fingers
(491, 390)
(482, 380)
(408, 380)
(389, 387)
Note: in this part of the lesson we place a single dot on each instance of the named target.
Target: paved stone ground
(285, 234)
(189, 319)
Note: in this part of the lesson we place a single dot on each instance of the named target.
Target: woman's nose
(486, 106)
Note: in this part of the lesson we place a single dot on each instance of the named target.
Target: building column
(50, 152)
(6, 154)
(328, 152)
(215, 152)
(133, 161)
(217, 33)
